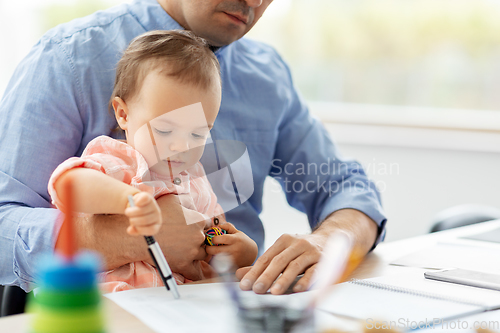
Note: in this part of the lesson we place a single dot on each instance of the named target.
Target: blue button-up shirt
(57, 101)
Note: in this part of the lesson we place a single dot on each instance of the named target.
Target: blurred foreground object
(462, 215)
(68, 299)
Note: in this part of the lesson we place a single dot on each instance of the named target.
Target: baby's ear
(121, 112)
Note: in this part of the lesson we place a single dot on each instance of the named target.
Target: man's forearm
(107, 234)
(359, 226)
(181, 243)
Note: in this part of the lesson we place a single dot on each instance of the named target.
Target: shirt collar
(152, 16)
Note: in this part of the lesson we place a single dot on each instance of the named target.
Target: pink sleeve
(102, 155)
(71, 163)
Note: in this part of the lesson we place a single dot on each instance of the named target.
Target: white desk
(376, 264)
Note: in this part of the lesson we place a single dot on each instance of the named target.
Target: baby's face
(169, 122)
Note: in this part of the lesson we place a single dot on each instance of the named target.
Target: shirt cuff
(34, 239)
(365, 201)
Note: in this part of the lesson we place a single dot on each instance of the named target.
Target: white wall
(421, 183)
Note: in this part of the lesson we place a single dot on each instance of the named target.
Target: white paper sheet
(489, 236)
(413, 278)
(387, 303)
(202, 307)
(487, 320)
(205, 307)
(443, 255)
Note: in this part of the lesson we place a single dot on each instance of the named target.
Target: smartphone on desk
(466, 278)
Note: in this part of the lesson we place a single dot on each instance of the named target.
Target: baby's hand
(236, 243)
(145, 217)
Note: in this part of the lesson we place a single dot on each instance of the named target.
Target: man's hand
(294, 255)
(181, 243)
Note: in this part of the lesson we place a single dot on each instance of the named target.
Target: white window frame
(405, 126)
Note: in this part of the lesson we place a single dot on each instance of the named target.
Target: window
(427, 53)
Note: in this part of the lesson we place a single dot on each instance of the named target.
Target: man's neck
(174, 11)
(172, 8)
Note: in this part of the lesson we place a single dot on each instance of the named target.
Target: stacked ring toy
(68, 299)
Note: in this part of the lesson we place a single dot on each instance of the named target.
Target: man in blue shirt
(56, 102)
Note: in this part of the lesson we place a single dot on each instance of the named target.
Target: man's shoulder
(252, 48)
(261, 56)
(99, 22)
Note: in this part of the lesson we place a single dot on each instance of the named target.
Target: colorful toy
(211, 233)
(67, 299)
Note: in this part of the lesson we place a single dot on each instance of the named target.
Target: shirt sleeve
(315, 177)
(40, 126)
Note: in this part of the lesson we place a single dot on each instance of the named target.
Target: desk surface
(376, 264)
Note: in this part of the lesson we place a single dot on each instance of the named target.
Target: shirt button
(177, 181)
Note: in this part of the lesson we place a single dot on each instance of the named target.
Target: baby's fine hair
(175, 53)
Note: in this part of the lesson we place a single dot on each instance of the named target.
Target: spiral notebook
(365, 299)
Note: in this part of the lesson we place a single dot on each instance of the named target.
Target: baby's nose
(179, 146)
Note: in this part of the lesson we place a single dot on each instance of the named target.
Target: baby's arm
(236, 243)
(97, 193)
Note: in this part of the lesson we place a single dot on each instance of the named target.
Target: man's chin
(221, 43)
(221, 39)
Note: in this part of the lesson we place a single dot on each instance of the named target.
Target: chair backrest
(1, 295)
(13, 301)
(462, 215)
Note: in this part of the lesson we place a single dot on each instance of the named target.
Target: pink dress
(122, 162)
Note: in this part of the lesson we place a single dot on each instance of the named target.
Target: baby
(166, 97)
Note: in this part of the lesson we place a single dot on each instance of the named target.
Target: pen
(340, 258)
(159, 260)
(222, 263)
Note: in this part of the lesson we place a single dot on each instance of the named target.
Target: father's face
(221, 22)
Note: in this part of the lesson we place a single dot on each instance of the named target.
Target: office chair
(462, 215)
(13, 301)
